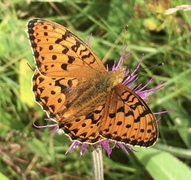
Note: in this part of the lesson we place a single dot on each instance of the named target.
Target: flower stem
(97, 164)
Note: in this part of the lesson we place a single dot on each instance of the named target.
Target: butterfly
(88, 102)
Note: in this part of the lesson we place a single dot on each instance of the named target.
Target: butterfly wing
(65, 68)
(128, 119)
(65, 98)
(53, 93)
(57, 97)
(60, 53)
(84, 128)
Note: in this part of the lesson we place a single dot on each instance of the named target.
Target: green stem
(97, 164)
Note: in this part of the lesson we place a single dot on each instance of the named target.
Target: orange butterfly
(89, 103)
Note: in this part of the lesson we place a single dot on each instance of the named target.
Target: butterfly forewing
(59, 53)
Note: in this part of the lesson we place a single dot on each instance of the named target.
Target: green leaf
(25, 76)
(162, 165)
(3, 177)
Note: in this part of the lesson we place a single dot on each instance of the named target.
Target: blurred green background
(30, 153)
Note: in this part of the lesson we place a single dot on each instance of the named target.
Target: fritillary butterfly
(89, 103)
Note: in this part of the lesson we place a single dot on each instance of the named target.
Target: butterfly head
(116, 77)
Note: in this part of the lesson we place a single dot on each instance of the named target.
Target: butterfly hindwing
(84, 128)
(66, 98)
(128, 119)
(52, 93)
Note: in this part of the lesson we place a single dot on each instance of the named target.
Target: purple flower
(129, 81)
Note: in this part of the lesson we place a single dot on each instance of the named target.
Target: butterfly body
(74, 88)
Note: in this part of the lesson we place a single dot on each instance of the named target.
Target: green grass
(29, 153)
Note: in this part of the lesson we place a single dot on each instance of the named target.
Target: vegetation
(30, 153)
